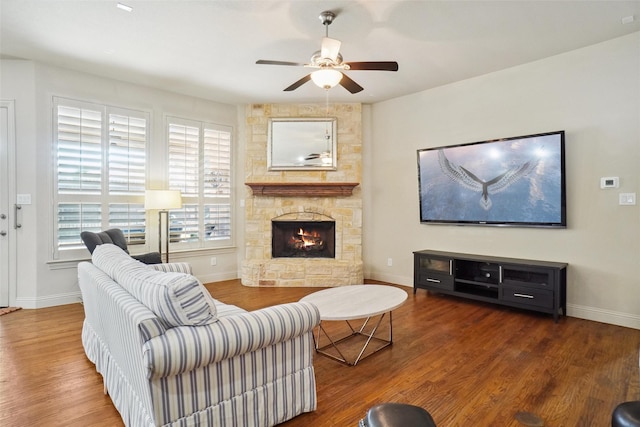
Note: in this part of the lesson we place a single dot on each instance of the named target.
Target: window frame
(104, 198)
(202, 200)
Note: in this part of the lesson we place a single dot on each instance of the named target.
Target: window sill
(181, 255)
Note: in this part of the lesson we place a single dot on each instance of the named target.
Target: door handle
(16, 208)
(3, 233)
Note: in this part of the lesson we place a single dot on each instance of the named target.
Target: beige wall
(42, 281)
(594, 95)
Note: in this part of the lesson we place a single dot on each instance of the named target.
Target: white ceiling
(209, 48)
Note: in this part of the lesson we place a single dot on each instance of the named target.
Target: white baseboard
(390, 278)
(76, 297)
(604, 316)
(218, 277)
(573, 310)
(50, 300)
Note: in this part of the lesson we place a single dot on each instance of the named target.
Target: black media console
(526, 284)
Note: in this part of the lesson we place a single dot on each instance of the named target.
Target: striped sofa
(171, 355)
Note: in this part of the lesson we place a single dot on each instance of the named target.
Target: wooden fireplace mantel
(302, 189)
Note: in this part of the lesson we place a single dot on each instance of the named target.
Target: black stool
(626, 414)
(397, 415)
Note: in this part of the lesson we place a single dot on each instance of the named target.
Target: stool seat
(397, 415)
(626, 414)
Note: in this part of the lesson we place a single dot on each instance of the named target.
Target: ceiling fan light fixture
(326, 78)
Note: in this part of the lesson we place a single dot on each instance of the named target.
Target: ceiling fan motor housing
(318, 61)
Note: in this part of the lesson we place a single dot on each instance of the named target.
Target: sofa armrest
(185, 348)
(173, 267)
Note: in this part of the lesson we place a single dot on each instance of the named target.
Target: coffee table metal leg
(333, 344)
(370, 336)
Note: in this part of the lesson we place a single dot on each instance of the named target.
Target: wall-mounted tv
(518, 181)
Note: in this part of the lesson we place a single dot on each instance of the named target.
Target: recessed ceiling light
(124, 7)
(627, 19)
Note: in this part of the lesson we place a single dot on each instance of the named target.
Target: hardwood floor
(467, 363)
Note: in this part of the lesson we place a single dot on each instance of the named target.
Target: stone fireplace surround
(311, 196)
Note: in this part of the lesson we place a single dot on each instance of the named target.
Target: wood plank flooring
(467, 363)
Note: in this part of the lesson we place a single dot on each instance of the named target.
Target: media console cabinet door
(433, 271)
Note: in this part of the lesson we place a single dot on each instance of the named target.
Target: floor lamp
(163, 200)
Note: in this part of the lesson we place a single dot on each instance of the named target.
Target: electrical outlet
(389, 262)
(214, 261)
(627, 199)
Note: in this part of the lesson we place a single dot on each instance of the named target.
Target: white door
(7, 194)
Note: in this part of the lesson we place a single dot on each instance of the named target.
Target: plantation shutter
(130, 218)
(200, 167)
(184, 159)
(100, 173)
(127, 154)
(73, 218)
(79, 151)
(217, 183)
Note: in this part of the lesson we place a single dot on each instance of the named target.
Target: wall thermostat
(609, 182)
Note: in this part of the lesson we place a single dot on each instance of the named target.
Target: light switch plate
(23, 199)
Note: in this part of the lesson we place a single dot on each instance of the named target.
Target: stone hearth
(345, 207)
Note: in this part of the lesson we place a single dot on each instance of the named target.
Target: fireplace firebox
(303, 239)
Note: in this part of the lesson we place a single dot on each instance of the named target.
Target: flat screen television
(518, 181)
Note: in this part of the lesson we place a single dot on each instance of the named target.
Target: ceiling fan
(329, 64)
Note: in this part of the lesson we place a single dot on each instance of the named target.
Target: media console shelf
(532, 285)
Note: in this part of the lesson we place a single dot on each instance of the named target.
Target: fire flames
(306, 240)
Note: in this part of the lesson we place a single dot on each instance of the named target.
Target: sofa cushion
(178, 298)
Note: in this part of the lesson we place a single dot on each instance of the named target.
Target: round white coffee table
(347, 303)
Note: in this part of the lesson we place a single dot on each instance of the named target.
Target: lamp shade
(162, 199)
(326, 78)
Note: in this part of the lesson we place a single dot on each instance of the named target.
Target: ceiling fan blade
(299, 83)
(330, 48)
(347, 83)
(374, 65)
(269, 62)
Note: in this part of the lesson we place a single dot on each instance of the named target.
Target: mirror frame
(287, 138)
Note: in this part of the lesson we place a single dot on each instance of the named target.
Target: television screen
(515, 181)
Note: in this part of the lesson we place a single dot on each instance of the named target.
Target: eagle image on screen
(472, 182)
(514, 181)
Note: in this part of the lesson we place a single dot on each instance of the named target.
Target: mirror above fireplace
(302, 144)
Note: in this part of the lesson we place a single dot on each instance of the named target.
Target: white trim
(11, 260)
(604, 316)
(200, 199)
(396, 279)
(573, 310)
(218, 277)
(104, 197)
(50, 300)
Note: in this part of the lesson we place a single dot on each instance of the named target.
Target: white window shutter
(79, 150)
(100, 173)
(127, 154)
(200, 167)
